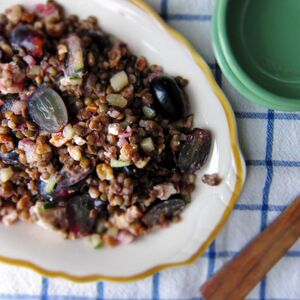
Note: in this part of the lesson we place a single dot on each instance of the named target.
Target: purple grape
(164, 210)
(26, 37)
(48, 110)
(169, 98)
(195, 150)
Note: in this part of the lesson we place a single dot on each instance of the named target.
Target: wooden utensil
(239, 276)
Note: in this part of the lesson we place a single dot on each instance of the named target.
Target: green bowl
(257, 47)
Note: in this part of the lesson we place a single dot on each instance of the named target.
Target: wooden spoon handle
(238, 277)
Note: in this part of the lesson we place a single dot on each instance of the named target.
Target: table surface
(270, 141)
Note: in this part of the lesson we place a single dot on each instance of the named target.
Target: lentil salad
(94, 141)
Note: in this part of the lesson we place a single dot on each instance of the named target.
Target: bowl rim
(237, 158)
(227, 70)
(256, 92)
(238, 85)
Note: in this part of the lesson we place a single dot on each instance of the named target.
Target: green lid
(257, 46)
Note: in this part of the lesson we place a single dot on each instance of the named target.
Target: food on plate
(211, 179)
(94, 141)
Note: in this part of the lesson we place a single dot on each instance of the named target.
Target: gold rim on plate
(240, 177)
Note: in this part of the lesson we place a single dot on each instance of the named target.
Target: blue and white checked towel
(270, 141)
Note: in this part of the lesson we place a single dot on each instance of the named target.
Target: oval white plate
(146, 34)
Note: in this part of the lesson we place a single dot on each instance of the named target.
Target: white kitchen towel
(270, 141)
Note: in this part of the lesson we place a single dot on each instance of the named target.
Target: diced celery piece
(116, 100)
(147, 144)
(119, 81)
(119, 163)
(50, 184)
(149, 112)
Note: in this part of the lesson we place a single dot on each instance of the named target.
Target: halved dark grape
(11, 158)
(68, 179)
(78, 210)
(169, 98)
(195, 150)
(28, 38)
(16, 106)
(47, 109)
(164, 210)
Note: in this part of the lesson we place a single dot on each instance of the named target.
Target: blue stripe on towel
(267, 187)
